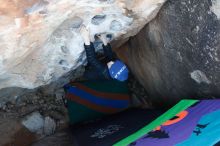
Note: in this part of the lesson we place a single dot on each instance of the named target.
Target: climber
(105, 90)
(114, 69)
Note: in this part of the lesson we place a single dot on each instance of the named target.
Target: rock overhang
(40, 40)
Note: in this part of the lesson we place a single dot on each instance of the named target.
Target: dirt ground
(13, 133)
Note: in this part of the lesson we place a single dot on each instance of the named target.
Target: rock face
(34, 122)
(178, 54)
(40, 40)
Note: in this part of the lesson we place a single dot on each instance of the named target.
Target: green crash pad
(184, 104)
(88, 100)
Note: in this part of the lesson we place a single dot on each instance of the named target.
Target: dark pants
(96, 69)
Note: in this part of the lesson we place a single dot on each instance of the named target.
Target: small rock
(199, 77)
(41, 101)
(4, 107)
(56, 115)
(59, 94)
(10, 106)
(49, 126)
(21, 104)
(34, 122)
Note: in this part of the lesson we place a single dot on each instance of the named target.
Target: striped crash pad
(93, 99)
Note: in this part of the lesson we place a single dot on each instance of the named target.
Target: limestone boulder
(40, 40)
(177, 55)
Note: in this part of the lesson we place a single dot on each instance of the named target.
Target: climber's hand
(104, 39)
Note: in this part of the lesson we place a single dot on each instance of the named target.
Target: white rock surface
(216, 8)
(40, 40)
(49, 126)
(34, 122)
(199, 77)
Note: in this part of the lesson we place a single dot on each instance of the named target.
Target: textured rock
(49, 126)
(34, 122)
(38, 124)
(177, 55)
(40, 40)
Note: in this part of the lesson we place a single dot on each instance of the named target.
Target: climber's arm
(91, 55)
(107, 47)
(108, 52)
(94, 62)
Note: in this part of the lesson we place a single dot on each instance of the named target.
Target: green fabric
(110, 86)
(78, 112)
(184, 104)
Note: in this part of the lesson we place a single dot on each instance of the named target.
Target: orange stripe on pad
(102, 94)
(93, 106)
